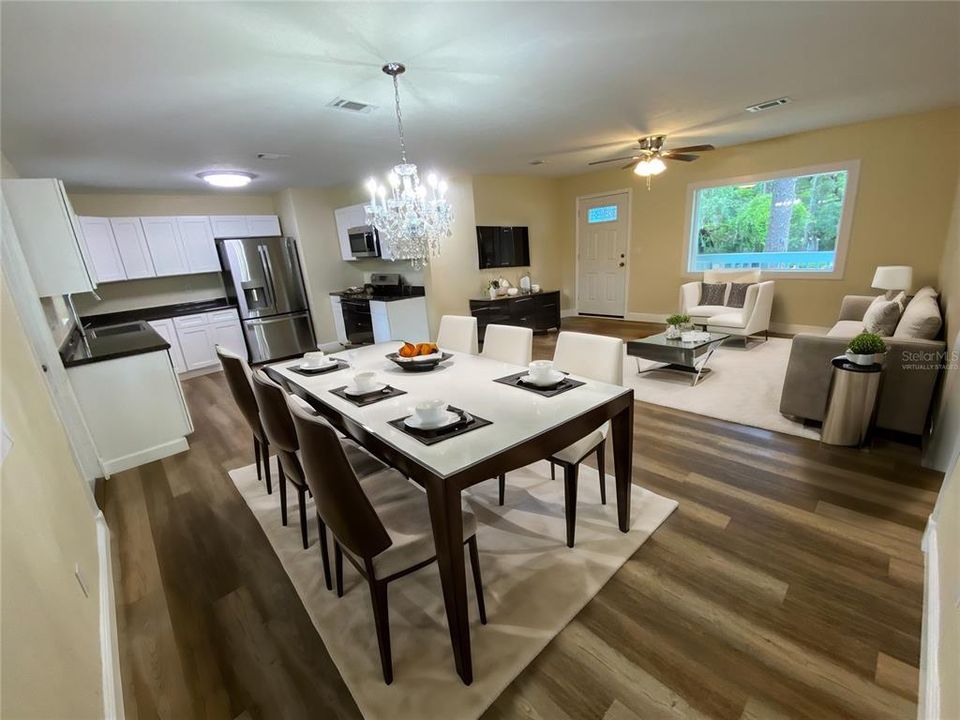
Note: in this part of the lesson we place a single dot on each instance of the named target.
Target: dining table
(523, 427)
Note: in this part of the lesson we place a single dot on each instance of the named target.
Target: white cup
(313, 359)
(365, 380)
(541, 370)
(431, 411)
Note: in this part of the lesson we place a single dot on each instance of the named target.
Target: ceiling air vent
(350, 105)
(768, 105)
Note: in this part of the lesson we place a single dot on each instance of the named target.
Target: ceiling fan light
(643, 168)
(656, 166)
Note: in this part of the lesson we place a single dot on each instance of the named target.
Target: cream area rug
(533, 584)
(743, 387)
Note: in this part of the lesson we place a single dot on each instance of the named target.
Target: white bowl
(431, 411)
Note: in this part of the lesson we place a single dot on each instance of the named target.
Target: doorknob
(622, 264)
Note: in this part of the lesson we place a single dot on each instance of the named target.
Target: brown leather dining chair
(278, 426)
(382, 525)
(237, 372)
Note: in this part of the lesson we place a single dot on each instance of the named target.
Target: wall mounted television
(503, 246)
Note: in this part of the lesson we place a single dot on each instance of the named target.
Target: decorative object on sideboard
(866, 349)
(676, 324)
(893, 278)
(493, 287)
(413, 220)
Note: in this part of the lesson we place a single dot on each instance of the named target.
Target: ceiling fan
(651, 155)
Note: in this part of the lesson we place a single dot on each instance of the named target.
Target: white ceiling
(133, 95)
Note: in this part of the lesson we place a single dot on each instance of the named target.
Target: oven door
(363, 242)
(357, 321)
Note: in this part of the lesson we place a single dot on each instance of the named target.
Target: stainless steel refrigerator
(262, 276)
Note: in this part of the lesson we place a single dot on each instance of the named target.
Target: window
(602, 214)
(791, 222)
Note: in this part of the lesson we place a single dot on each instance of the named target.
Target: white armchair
(752, 319)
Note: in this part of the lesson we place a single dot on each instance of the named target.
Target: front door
(602, 254)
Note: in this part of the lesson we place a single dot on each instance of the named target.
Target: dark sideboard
(539, 311)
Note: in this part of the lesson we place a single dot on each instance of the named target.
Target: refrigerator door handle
(268, 274)
(271, 321)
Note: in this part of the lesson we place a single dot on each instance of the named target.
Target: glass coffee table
(687, 357)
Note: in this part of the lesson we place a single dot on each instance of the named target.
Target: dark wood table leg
(622, 426)
(446, 517)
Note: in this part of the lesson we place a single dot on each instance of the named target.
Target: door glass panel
(602, 214)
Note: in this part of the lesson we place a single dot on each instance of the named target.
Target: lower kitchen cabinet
(168, 332)
(193, 338)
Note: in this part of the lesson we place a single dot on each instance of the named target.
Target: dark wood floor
(787, 584)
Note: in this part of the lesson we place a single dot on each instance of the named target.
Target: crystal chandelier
(410, 218)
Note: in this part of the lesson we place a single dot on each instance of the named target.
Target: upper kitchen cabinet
(199, 247)
(132, 246)
(102, 247)
(50, 236)
(348, 217)
(165, 244)
(243, 226)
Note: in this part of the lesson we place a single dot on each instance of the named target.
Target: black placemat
(432, 437)
(562, 387)
(341, 364)
(363, 400)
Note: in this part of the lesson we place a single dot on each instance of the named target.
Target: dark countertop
(410, 291)
(158, 312)
(514, 297)
(97, 348)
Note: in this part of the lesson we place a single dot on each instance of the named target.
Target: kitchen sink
(123, 329)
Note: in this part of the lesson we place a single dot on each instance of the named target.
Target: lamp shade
(893, 277)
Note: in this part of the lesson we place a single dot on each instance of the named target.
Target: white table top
(464, 381)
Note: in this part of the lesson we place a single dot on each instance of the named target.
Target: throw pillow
(882, 315)
(738, 294)
(921, 320)
(712, 293)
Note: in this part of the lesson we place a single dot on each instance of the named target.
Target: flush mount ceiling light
(226, 178)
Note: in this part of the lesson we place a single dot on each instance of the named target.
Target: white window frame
(843, 231)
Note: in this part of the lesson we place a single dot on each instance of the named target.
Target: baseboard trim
(569, 312)
(187, 374)
(142, 457)
(112, 686)
(930, 636)
(646, 317)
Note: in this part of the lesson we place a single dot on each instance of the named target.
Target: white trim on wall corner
(930, 636)
(112, 687)
(569, 312)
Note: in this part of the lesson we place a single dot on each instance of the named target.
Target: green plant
(867, 344)
(678, 319)
(494, 284)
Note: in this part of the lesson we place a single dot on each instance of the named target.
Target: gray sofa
(910, 374)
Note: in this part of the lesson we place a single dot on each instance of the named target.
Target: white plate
(354, 391)
(322, 366)
(555, 379)
(421, 358)
(416, 423)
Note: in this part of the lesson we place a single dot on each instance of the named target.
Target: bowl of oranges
(418, 357)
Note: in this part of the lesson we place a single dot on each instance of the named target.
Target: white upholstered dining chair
(508, 343)
(458, 333)
(599, 358)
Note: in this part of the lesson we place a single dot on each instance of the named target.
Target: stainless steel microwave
(364, 241)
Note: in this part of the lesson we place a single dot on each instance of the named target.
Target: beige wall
(51, 645)
(536, 203)
(908, 173)
(150, 292)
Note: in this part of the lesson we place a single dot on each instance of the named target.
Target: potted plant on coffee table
(675, 325)
(866, 349)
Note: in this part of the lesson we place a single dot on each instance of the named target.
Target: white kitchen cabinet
(102, 248)
(132, 246)
(339, 325)
(241, 226)
(346, 218)
(400, 320)
(133, 407)
(168, 332)
(224, 327)
(50, 236)
(165, 244)
(199, 334)
(199, 247)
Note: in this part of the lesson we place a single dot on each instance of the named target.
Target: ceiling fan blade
(682, 157)
(691, 148)
(631, 165)
(628, 157)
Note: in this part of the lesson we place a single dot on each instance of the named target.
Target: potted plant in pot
(675, 325)
(866, 349)
(493, 286)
